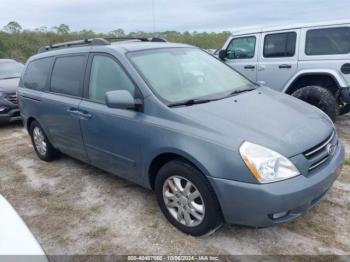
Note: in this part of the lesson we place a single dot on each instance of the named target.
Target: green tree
(13, 27)
(62, 29)
(118, 32)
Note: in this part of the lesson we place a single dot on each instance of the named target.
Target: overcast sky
(180, 15)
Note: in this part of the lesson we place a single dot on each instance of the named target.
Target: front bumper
(253, 204)
(8, 111)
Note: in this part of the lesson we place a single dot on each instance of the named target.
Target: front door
(110, 135)
(62, 103)
(242, 55)
(278, 58)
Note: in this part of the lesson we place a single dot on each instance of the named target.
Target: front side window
(280, 45)
(241, 48)
(67, 75)
(107, 75)
(329, 41)
(180, 74)
(37, 73)
(10, 69)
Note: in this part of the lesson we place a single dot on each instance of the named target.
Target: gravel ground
(73, 208)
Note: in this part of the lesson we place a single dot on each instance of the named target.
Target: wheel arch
(329, 79)
(30, 121)
(162, 158)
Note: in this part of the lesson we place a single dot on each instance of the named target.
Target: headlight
(267, 165)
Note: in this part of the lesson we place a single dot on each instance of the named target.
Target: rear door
(63, 99)
(278, 58)
(242, 55)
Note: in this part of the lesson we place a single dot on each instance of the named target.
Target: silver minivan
(309, 61)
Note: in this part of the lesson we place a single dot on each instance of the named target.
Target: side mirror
(121, 99)
(222, 54)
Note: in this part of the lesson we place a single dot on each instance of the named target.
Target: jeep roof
(268, 28)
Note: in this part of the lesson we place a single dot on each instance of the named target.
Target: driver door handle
(285, 66)
(249, 67)
(78, 113)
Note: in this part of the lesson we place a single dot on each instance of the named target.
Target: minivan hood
(263, 116)
(9, 85)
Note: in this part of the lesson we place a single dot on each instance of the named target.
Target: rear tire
(192, 215)
(41, 143)
(321, 98)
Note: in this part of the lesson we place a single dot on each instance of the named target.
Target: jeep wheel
(187, 199)
(319, 97)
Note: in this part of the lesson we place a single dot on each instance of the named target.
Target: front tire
(320, 97)
(41, 143)
(187, 199)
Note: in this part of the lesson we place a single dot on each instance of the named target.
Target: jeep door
(242, 55)
(278, 58)
(61, 113)
(110, 134)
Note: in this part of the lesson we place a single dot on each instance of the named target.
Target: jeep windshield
(10, 69)
(187, 76)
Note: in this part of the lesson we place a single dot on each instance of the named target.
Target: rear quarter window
(67, 75)
(37, 73)
(328, 41)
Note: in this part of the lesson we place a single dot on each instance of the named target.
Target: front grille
(319, 154)
(12, 98)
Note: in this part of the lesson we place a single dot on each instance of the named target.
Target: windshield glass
(181, 74)
(10, 69)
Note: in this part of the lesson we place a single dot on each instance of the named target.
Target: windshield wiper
(236, 92)
(191, 102)
(10, 77)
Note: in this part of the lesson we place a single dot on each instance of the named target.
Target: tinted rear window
(280, 45)
(37, 73)
(67, 75)
(329, 41)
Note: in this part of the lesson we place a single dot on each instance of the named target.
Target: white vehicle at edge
(15, 237)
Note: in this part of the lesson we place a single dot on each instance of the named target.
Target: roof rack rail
(141, 38)
(96, 41)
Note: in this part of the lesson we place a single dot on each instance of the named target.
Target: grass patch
(348, 206)
(42, 193)
(62, 239)
(97, 232)
(60, 206)
(95, 209)
(347, 162)
(18, 178)
(314, 225)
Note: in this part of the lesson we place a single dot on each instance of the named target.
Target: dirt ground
(73, 208)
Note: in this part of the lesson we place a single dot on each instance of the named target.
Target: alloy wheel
(39, 141)
(183, 201)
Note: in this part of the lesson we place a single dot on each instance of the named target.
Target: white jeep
(308, 61)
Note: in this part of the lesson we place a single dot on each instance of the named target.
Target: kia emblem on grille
(331, 149)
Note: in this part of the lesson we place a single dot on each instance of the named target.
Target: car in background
(10, 73)
(310, 61)
(15, 238)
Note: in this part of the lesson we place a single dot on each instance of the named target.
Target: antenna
(153, 17)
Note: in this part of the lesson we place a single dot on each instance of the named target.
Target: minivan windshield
(186, 75)
(10, 69)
